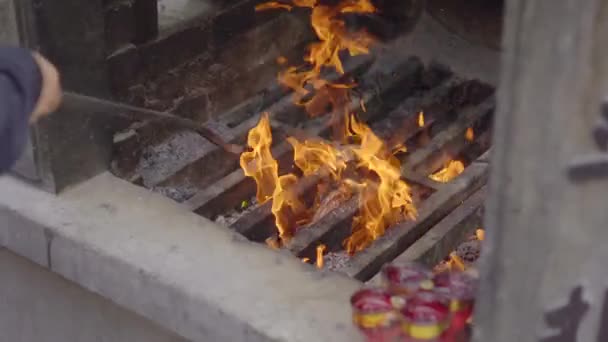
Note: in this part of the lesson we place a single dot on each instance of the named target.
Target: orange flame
(421, 119)
(451, 171)
(456, 263)
(312, 155)
(306, 260)
(259, 163)
(383, 202)
(320, 251)
(333, 37)
(373, 171)
(263, 168)
(469, 135)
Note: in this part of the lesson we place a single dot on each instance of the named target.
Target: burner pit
(209, 181)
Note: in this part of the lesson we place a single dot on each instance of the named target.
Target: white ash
(162, 160)
(176, 193)
(336, 261)
(227, 219)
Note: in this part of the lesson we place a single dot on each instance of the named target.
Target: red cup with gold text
(425, 317)
(406, 278)
(459, 289)
(374, 314)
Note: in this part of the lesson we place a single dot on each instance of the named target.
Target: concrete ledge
(38, 305)
(155, 258)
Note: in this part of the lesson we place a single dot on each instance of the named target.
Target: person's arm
(30, 88)
(20, 89)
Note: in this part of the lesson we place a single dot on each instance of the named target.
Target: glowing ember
(456, 263)
(421, 119)
(480, 234)
(320, 251)
(306, 260)
(451, 171)
(281, 60)
(456, 259)
(272, 4)
(273, 243)
(469, 134)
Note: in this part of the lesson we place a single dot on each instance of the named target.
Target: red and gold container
(459, 288)
(405, 279)
(375, 315)
(425, 317)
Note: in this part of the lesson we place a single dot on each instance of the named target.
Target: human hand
(50, 93)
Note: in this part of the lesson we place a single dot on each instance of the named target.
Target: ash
(160, 161)
(336, 261)
(177, 193)
(468, 251)
(227, 219)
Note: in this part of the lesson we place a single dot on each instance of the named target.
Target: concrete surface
(38, 305)
(153, 257)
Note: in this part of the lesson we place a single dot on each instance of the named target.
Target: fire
(312, 155)
(320, 251)
(384, 198)
(358, 164)
(263, 168)
(421, 119)
(469, 135)
(333, 37)
(456, 263)
(451, 171)
(259, 163)
(480, 234)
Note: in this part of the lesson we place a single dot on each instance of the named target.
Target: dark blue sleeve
(20, 84)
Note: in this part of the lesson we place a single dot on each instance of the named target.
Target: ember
(464, 256)
(469, 135)
(480, 234)
(320, 250)
(451, 171)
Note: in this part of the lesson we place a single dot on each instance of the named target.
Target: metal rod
(133, 112)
